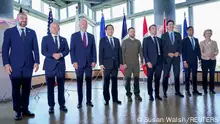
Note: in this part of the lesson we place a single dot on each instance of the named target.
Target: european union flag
(102, 27)
(185, 34)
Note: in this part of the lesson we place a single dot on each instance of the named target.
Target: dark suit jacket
(150, 50)
(107, 55)
(79, 53)
(168, 47)
(19, 53)
(48, 48)
(189, 55)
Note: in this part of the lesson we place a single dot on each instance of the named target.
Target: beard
(23, 24)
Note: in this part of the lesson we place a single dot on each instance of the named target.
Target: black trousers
(155, 72)
(176, 69)
(58, 74)
(208, 65)
(192, 67)
(80, 74)
(21, 86)
(111, 74)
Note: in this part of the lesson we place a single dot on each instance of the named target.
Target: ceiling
(94, 4)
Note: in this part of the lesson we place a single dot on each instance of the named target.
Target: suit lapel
(52, 41)
(17, 34)
(108, 42)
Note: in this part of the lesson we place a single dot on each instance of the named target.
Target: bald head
(54, 28)
(22, 19)
(83, 24)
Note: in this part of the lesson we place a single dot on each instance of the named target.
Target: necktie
(172, 37)
(84, 39)
(111, 43)
(22, 34)
(56, 42)
(192, 42)
(155, 41)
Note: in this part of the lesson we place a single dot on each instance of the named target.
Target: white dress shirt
(20, 31)
(58, 40)
(82, 33)
(192, 40)
(109, 39)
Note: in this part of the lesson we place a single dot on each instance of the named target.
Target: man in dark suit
(20, 56)
(171, 42)
(83, 57)
(152, 51)
(110, 58)
(55, 48)
(191, 53)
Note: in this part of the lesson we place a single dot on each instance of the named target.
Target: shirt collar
(170, 32)
(110, 37)
(190, 37)
(82, 32)
(19, 28)
(152, 36)
(54, 35)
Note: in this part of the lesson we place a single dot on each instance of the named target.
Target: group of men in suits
(162, 53)
(21, 55)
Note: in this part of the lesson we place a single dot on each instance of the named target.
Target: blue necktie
(193, 43)
(22, 35)
(172, 37)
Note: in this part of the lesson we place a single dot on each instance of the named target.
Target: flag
(102, 27)
(185, 34)
(145, 33)
(145, 69)
(145, 29)
(77, 20)
(164, 23)
(124, 31)
(50, 20)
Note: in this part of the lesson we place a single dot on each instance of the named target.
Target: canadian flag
(145, 34)
(145, 29)
(164, 23)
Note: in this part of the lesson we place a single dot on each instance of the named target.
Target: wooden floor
(171, 110)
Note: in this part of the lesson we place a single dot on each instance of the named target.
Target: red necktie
(84, 39)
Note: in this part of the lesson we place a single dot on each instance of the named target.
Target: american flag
(50, 20)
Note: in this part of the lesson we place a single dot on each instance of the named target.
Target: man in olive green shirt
(131, 51)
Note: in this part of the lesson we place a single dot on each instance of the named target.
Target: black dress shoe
(63, 108)
(197, 93)
(151, 98)
(212, 92)
(179, 94)
(28, 113)
(129, 99)
(79, 106)
(138, 97)
(117, 102)
(106, 103)
(158, 97)
(188, 93)
(89, 104)
(51, 110)
(165, 95)
(18, 116)
(205, 92)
